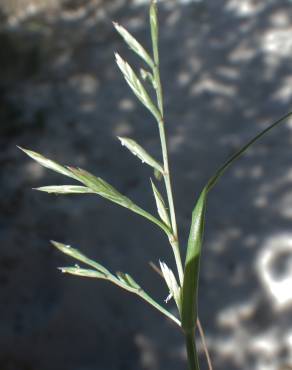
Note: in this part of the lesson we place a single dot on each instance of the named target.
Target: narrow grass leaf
(105, 190)
(128, 281)
(212, 182)
(192, 262)
(121, 277)
(134, 44)
(82, 272)
(158, 175)
(161, 208)
(136, 86)
(65, 189)
(141, 153)
(74, 253)
(131, 282)
(45, 162)
(153, 15)
(147, 76)
(96, 184)
(93, 184)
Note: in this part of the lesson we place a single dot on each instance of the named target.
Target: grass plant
(183, 283)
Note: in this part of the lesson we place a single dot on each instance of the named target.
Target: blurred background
(227, 73)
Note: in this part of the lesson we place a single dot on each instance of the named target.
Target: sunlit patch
(18, 11)
(254, 172)
(244, 8)
(284, 92)
(278, 41)
(232, 316)
(243, 52)
(126, 105)
(228, 72)
(148, 355)
(223, 239)
(175, 142)
(261, 201)
(280, 18)
(74, 14)
(184, 78)
(123, 129)
(274, 266)
(34, 170)
(285, 205)
(265, 344)
(86, 83)
(207, 83)
(289, 124)
(288, 343)
(276, 47)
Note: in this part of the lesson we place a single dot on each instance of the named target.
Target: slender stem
(158, 88)
(177, 257)
(203, 338)
(167, 177)
(193, 361)
(174, 240)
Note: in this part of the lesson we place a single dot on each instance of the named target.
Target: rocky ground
(227, 72)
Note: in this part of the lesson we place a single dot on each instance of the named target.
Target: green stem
(193, 362)
(158, 88)
(167, 180)
(176, 252)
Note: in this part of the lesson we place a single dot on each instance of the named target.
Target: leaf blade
(136, 86)
(107, 191)
(140, 152)
(160, 204)
(47, 163)
(95, 184)
(154, 26)
(76, 254)
(65, 189)
(214, 179)
(189, 309)
(192, 263)
(124, 281)
(134, 44)
(78, 271)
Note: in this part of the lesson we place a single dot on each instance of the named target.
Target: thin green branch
(124, 281)
(166, 174)
(146, 297)
(156, 305)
